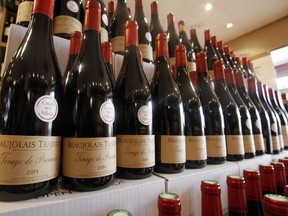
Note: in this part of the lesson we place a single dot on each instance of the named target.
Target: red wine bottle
(280, 176)
(222, 54)
(173, 39)
(275, 205)
(68, 17)
(285, 162)
(89, 147)
(253, 192)
(273, 121)
(211, 198)
(196, 152)
(210, 53)
(191, 61)
(194, 41)
(144, 34)
(169, 204)
(168, 116)
(104, 22)
(285, 101)
(24, 12)
(237, 203)
(155, 26)
(246, 68)
(75, 45)
(135, 142)
(280, 101)
(30, 109)
(214, 44)
(265, 120)
(268, 181)
(232, 121)
(116, 31)
(229, 58)
(246, 123)
(106, 48)
(255, 117)
(213, 114)
(110, 12)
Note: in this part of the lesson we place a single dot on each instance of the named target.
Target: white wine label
(191, 66)
(285, 134)
(24, 11)
(265, 143)
(148, 36)
(258, 124)
(104, 35)
(28, 159)
(249, 145)
(275, 143)
(46, 108)
(281, 140)
(72, 6)
(211, 74)
(196, 148)
(89, 157)
(146, 51)
(145, 115)
(107, 112)
(105, 19)
(274, 127)
(118, 44)
(173, 149)
(172, 61)
(235, 145)
(66, 24)
(216, 146)
(259, 142)
(248, 124)
(135, 151)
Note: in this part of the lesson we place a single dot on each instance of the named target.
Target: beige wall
(260, 42)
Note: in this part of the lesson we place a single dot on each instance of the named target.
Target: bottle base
(259, 153)
(216, 160)
(169, 168)
(133, 173)
(249, 155)
(197, 164)
(235, 157)
(275, 152)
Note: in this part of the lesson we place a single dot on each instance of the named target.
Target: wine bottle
(284, 99)
(173, 39)
(210, 54)
(194, 41)
(104, 22)
(268, 181)
(106, 48)
(222, 54)
(31, 112)
(246, 123)
(213, 114)
(196, 152)
(110, 13)
(255, 117)
(273, 121)
(155, 26)
(191, 61)
(232, 121)
(285, 162)
(246, 68)
(275, 205)
(280, 101)
(133, 113)
(229, 58)
(144, 34)
(280, 176)
(237, 203)
(168, 116)
(89, 147)
(24, 12)
(265, 120)
(121, 212)
(74, 49)
(214, 44)
(169, 204)
(68, 17)
(211, 198)
(116, 31)
(253, 192)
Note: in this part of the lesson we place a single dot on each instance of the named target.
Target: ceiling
(246, 15)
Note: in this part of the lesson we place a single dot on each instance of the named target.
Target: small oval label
(72, 6)
(105, 19)
(107, 112)
(145, 115)
(46, 108)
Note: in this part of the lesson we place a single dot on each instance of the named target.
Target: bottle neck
(218, 71)
(181, 59)
(139, 12)
(207, 37)
(162, 48)
(92, 16)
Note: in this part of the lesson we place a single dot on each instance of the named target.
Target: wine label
(285, 134)
(72, 6)
(216, 146)
(249, 146)
(104, 35)
(146, 50)
(28, 159)
(265, 144)
(66, 24)
(172, 61)
(104, 18)
(135, 151)
(191, 66)
(89, 157)
(281, 140)
(211, 74)
(258, 124)
(274, 128)
(248, 124)
(148, 37)
(259, 142)
(46, 108)
(24, 11)
(196, 148)
(107, 112)
(145, 115)
(118, 44)
(235, 145)
(275, 142)
(173, 149)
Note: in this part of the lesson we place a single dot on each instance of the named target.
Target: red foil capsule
(275, 205)
(280, 176)
(169, 204)
(268, 181)
(285, 162)
(211, 198)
